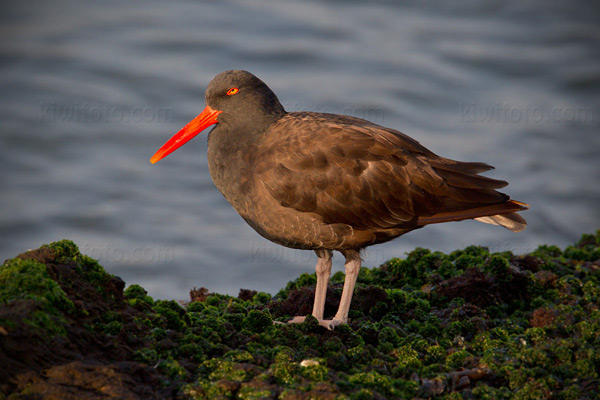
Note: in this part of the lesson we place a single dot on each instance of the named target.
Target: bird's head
(236, 100)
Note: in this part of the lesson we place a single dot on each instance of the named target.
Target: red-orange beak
(206, 118)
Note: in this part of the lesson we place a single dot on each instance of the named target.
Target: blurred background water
(89, 90)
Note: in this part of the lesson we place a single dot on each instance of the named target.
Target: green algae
(424, 330)
(67, 252)
(27, 279)
(257, 321)
(466, 325)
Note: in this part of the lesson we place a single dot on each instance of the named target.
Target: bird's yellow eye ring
(232, 91)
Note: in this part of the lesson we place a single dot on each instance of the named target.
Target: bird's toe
(326, 323)
(331, 323)
(297, 320)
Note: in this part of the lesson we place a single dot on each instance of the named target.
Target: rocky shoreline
(466, 325)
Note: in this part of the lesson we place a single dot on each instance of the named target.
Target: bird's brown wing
(354, 172)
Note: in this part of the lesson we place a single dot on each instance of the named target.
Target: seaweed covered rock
(64, 330)
(470, 324)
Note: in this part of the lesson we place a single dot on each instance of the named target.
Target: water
(89, 90)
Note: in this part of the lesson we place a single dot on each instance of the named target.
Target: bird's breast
(229, 167)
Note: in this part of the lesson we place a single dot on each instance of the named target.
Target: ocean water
(90, 90)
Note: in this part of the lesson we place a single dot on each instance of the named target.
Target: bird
(327, 182)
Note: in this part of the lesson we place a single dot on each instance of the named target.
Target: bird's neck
(231, 145)
(231, 136)
(230, 153)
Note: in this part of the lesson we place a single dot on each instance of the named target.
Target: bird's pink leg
(323, 273)
(352, 267)
(323, 269)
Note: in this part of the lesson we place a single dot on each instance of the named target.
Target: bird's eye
(232, 91)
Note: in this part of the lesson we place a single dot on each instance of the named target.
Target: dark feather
(349, 171)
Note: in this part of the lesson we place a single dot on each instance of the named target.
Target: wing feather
(350, 171)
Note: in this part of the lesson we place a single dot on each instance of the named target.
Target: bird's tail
(513, 221)
(502, 214)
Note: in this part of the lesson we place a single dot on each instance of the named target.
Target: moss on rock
(466, 325)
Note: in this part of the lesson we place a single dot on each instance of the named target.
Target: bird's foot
(297, 320)
(331, 323)
(326, 323)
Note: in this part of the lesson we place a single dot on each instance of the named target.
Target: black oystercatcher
(327, 182)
